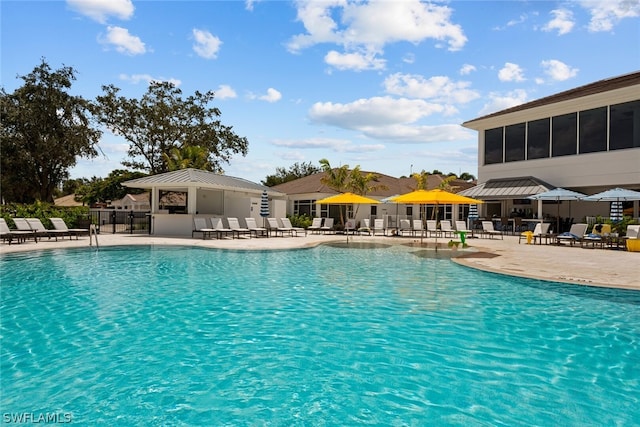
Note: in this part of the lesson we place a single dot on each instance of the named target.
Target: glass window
(304, 207)
(538, 136)
(624, 129)
(514, 142)
(564, 134)
(593, 130)
(493, 146)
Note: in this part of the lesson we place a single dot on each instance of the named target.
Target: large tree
(44, 130)
(162, 121)
(295, 171)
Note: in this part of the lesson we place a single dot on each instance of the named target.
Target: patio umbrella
(556, 195)
(264, 205)
(434, 197)
(616, 195)
(347, 199)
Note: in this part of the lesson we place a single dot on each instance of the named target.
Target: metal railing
(120, 221)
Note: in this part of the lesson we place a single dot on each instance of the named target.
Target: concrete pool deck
(594, 267)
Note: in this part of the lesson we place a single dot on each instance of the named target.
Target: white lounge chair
(445, 228)
(418, 227)
(59, 224)
(487, 229)
(234, 225)
(365, 227)
(432, 227)
(575, 234)
(275, 227)
(36, 225)
(461, 227)
(405, 227)
(378, 226)
(540, 230)
(200, 226)
(286, 224)
(253, 228)
(218, 226)
(327, 226)
(316, 225)
(19, 235)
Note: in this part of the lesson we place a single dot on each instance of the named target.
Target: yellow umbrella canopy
(426, 197)
(346, 199)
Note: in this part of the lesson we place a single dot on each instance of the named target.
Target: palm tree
(187, 157)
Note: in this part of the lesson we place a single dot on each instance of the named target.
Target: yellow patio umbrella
(434, 197)
(347, 199)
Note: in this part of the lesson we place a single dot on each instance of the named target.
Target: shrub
(44, 211)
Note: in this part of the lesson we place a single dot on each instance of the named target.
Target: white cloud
(511, 73)
(562, 22)
(100, 10)
(272, 95)
(206, 44)
(147, 78)
(467, 69)
(369, 26)
(331, 144)
(122, 41)
(386, 118)
(439, 88)
(558, 70)
(354, 61)
(225, 92)
(499, 102)
(607, 13)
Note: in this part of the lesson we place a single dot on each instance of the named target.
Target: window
(564, 134)
(538, 136)
(493, 146)
(624, 130)
(514, 142)
(593, 130)
(304, 207)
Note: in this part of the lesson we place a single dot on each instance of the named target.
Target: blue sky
(380, 84)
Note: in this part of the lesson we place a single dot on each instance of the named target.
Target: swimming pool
(322, 336)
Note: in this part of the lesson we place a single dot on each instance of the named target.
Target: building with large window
(586, 139)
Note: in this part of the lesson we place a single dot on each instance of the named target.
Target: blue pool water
(324, 336)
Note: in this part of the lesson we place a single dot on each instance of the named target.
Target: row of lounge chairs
(209, 227)
(600, 236)
(33, 228)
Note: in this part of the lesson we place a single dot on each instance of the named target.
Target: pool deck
(576, 265)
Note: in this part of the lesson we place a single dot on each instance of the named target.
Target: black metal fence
(120, 221)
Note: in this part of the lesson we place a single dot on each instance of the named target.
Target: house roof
(605, 85)
(312, 184)
(508, 188)
(68, 200)
(182, 179)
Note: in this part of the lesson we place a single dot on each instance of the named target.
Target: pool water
(323, 336)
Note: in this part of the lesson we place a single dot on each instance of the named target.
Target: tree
(109, 188)
(295, 171)
(466, 176)
(162, 120)
(187, 157)
(44, 130)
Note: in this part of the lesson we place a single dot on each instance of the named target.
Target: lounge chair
(461, 227)
(235, 227)
(59, 224)
(286, 224)
(218, 226)
(316, 225)
(327, 226)
(599, 236)
(405, 227)
(432, 227)
(418, 227)
(378, 226)
(19, 235)
(575, 234)
(445, 228)
(365, 227)
(200, 226)
(540, 230)
(37, 227)
(632, 238)
(253, 228)
(487, 229)
(350, 226)
(274, 227)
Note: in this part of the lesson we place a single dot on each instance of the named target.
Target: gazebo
(206, 194)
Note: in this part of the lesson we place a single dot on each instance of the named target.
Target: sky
(384, 85)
